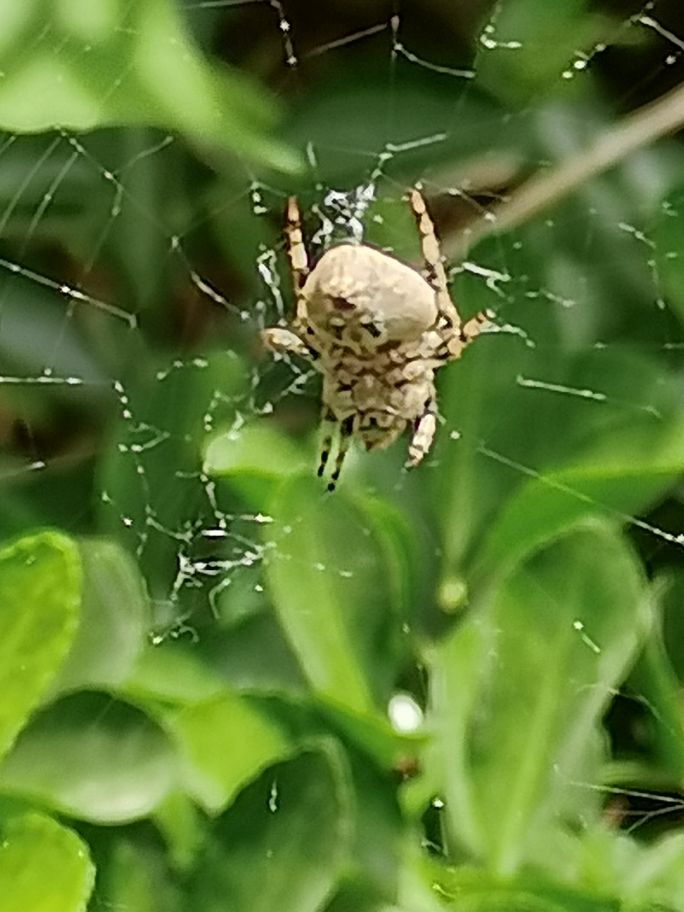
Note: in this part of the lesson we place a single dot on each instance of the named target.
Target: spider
(377, 330)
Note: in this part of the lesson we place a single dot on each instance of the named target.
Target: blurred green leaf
(285, 841)
(373, 734)
(171, 673)
(114, 619)
(254, 459)
(378, 830)
(40, 592)
(182, 824)
(111, 63)
(31, 321)
(327, 571)
(231, 655)
(527, 45)
(658, 874)
(402, 554)
(224, 743)
(673, 618)
(134, 875)
(645, 876)
(152, 478)
(542, 442)
(619, 486)
(520, 686)
(91, 757)
(44, 867)
(473, 890)
(421, 108)
(668, 241)
(354, 899)
(654, 680)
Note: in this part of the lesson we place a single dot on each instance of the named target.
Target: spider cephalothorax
(377, 330)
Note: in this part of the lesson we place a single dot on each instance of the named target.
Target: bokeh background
(224, 688)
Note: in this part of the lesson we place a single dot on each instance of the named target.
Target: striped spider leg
(277, 338)
(456, 334)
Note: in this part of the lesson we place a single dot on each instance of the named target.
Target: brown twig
(639, 129)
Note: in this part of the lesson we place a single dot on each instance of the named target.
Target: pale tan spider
(377, 330)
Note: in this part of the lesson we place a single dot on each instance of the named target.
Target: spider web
(96, 372)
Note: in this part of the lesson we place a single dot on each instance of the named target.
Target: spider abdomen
(364, 297)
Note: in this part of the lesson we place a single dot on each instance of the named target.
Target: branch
(659, 118)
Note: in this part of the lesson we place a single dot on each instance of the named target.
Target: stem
(643, 127)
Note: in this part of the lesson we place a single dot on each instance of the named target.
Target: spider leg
(457, 335)
(346, 431)
(329, 425)
(284, 340)
(432, 257)
(296, 252)
(423, 435)
(457, 339)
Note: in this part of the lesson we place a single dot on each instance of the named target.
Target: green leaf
(327, 575)
(152, 470)
(40, 590)
(94, 758)
(657, 686)
(285, 841)
(657, 876)
(372, 734)
(114, 619)
(352, 899)
(532, 459)
(32, 312)
(254, 459)
(646, 877)
(622, 473)
(378, 831)
(402, 553)
(130, 65)
(182, 824)
(251, 656)
(473, 890)
(172, 673)
(520, 687)
(467, 488)
(134, 874)
(479, 890)
(426, 106)
(224, 743)
(528, 45)
(494, 898)
(668, 243)
(254, 655)
(673, 618)
(543, 508)
(44, 867)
